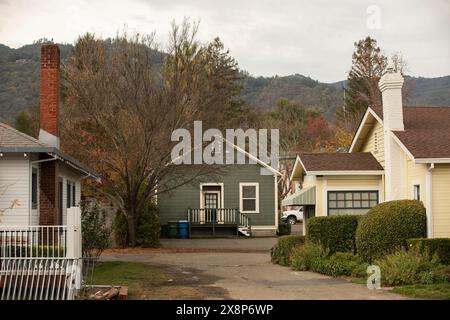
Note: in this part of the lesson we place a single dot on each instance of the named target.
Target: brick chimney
(49, 95)
(49, 133)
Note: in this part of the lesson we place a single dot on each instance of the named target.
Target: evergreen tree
(368, 65)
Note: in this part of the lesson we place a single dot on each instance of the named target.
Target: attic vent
(375, 143)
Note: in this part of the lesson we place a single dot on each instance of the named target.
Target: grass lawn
(439, 291)
(146, 282)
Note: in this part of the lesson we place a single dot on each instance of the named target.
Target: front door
(211, 205)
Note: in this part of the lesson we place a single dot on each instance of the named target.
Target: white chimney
(390, 86)
(395, 177)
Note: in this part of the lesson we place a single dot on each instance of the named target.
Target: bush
(281, 252)
(149, 228)
(284, 229)
(43, 251)
(120, 229)
(438, 246)
(302, 256)
(340, 264)
(335, 233)
(387, 226)
(95, 232)
(410, 267)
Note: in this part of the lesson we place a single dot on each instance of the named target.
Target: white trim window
(249, 197)
(34, 187)
(71, 194)
(416, 190)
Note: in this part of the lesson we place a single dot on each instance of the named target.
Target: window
(249, 197)
(74, 195)
(351, 200)
(71, 195)
(34, 188)
(60, 201)
(417, 192)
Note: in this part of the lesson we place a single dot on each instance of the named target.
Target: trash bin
(173, 229)
(183, 229)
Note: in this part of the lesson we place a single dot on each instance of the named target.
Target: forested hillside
(19, 86)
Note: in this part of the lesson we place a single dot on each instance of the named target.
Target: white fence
(41, 262)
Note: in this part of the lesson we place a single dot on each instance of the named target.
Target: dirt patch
(160, 282)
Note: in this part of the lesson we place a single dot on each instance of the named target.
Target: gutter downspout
(429, 200)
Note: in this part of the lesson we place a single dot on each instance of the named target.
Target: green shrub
(120, 229)
(281, 252)
(387, 226)
(409, 267)
(302, 256)
(284, 229)
(43, 251)
(96, 234)
(340, 264)
(438, 246)
(335, 233)
(149, 228)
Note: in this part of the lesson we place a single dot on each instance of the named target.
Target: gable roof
(320, 162)
(14, 141)
(10, 137)
(426, 131)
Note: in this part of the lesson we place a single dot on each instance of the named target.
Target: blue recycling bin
(183, 229)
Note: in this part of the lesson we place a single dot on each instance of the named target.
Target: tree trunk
(131, 228)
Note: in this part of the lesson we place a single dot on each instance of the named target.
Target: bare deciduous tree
(123, 100)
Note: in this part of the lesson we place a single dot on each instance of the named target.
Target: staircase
(244, 225)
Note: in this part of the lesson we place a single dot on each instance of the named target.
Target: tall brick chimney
(49, 95)
(49, 133)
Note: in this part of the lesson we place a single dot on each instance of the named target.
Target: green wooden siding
(173, 205)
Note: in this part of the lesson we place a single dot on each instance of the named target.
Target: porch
(41, 262)
(221, 222)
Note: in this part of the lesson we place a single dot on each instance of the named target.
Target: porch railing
(220, 216)
(41, 262)
(33, 241)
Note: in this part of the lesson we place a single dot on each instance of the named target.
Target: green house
(237, 200)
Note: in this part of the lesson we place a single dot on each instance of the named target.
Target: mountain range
(19, 86)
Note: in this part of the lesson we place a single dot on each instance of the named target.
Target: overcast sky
(313, 38)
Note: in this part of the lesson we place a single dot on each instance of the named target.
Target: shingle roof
(13, 141)
(10, 137)
(427, 131)
(339, 161)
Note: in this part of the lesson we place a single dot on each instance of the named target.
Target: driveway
(247, 275)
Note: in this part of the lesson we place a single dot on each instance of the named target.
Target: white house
(38, 182)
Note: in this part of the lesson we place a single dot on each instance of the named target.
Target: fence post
(70, 243)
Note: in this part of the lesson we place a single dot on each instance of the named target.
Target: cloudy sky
(314, 38)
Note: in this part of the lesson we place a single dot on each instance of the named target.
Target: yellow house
(397, 153)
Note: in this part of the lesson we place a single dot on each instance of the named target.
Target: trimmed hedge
(335, 233)
(43, 251)
(387, 226)
(281, 252)
(284, 229)
(438, 246)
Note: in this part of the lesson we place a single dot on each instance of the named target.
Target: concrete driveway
(250, 274)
